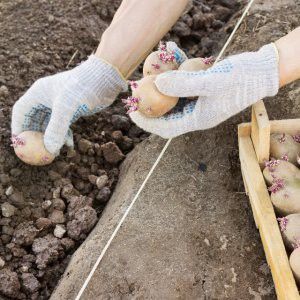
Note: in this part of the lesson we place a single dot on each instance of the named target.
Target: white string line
(149, 174)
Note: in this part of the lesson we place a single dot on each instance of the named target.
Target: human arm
(225, 89)
(53, 103)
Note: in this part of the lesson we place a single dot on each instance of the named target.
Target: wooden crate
(254, 147)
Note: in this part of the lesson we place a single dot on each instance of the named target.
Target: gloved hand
(223, 90)
(53, 103)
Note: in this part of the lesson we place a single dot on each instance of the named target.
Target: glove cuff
(97, 72)
(268, 69)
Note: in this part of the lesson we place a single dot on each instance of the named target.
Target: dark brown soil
(38, 38)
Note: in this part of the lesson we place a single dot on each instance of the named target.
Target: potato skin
(154, 66)
(295, 264)
(291, 230)
(287, 200)
(152, 103)
(280, 169)
(33, 152)
(194, 65)
(284, 144)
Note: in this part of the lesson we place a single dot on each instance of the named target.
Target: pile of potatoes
(282, 175)
(146, 98)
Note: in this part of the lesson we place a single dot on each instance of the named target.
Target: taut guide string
(152, 170)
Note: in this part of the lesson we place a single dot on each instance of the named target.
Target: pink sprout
(209, 60)
(285, 157)
(296, 138)
(277, 185)
(162, 46)
(45, 158)
(131, 103)
(164, 54)
(283, 222)
(156, 66)
(296, 245)
(298, 159)
(17, 141)
(272, 164)
(282, 139)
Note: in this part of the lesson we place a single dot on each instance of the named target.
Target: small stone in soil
(9, 191)
(101, 181)
(59, 231)
(57, 217)
(103, 195)
(17, 199)
(58, 204)
(8, 210)
(43, 223)
(46, 204)
(84, 145)
(112, 153)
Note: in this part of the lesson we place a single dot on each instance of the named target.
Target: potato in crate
(269, 154)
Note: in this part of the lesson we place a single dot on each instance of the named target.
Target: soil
(48, 212)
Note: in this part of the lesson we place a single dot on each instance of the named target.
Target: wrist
(289, 60)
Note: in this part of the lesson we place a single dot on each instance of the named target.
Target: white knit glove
(223, 90)
(53, 103)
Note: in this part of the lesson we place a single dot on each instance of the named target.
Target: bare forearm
(137, 26)
(289, 59)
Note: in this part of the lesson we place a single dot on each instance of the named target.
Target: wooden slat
(290, 126)
(260, 132)
(266, 220)
(244, 129)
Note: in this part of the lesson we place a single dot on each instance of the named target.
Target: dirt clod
(25, 234)
(84, 220)
(55, 196)
(57, 217)
(30, 283)
(48, 249)
(8, 210)
(9, 283)
(112, 153)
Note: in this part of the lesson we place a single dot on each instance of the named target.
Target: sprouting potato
(285, 196)
(155, 65)
(276, 168)
(295, 263)
(284, 146)
(147, 99)
(29, 147)
(290, 229)
(196, 64)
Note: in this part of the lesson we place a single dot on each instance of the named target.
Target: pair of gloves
(53, 103)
